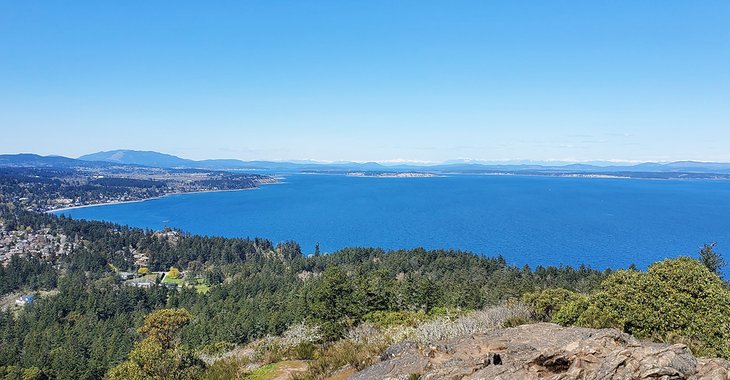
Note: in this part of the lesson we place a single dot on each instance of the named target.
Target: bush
(340, 354)
(297, 342)
(677, 300)
(547, 302)
(300, 333)
(367, 333)
(269, 350)
(386, 319)
(569, 313)
(227, 368)
(303, 351)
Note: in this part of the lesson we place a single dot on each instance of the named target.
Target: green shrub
(516, 321)
(227, 368)
(340, 354)
(569, 313)
(547, 302)
(303, 351)
(385, 319)
(677, 300)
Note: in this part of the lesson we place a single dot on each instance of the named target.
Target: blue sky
(368, 80)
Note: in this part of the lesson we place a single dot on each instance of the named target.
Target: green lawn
(168, 280)
(148, 277)
(196, 283)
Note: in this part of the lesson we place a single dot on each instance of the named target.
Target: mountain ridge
(143, 158)
(168, 161)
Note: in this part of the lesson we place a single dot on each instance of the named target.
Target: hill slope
(136, 157)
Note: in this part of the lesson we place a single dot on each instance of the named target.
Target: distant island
(126, 176)
(391, 174)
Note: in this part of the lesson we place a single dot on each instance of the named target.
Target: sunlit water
(529, 220)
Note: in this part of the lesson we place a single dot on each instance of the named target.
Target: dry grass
(363, 344)
(477, 322)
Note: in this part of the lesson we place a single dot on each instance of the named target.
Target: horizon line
(413, 162)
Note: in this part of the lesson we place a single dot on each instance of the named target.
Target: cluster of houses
(140, 259)
(40, 243)
(138, 280)
(131, 279)
(145, 280)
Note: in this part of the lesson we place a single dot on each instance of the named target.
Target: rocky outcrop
(545, 351)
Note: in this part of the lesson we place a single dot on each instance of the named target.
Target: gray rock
(545, 351)
(398, 349)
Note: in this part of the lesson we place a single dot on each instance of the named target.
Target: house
(25, 300)
(127, 275)
(140, 284)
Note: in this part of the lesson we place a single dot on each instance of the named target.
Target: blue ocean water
(529, 220)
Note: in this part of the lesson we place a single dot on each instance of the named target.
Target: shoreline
(598, 176)
(280, 180)
(593, 176)
(57, 210)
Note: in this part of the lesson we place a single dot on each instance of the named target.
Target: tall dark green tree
(711, 259)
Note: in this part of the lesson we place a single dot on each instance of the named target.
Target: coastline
(598, 176)
(58, 210)
(593, 176)
(279, 180)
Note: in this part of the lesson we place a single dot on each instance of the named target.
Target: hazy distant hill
(170, 161)
(136, 157)
(679, 169)
(156, 159)
(34, 160)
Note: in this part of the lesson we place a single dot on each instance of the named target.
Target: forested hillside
(86, 299)
(255, 289)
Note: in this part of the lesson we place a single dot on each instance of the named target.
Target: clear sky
(368, 80)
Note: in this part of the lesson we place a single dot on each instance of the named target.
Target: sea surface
(527, 219)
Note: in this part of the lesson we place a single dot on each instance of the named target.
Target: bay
(530, 220)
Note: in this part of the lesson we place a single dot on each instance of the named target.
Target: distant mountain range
(148, 158)
(161, 160)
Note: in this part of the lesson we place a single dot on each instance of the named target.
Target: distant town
(46, 188)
